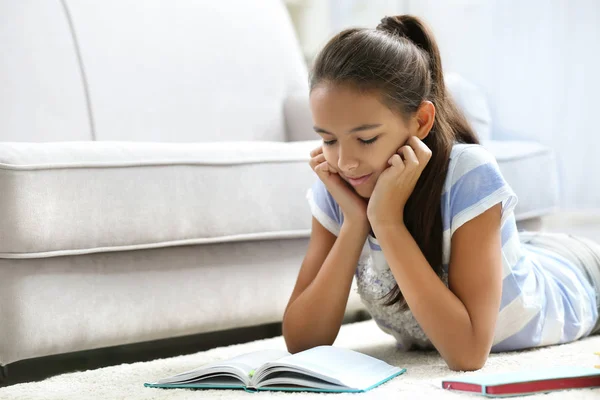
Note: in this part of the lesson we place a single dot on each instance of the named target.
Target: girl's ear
(424, 119)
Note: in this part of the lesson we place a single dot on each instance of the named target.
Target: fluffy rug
(421, 381)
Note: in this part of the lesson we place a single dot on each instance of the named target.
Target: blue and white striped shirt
(545, 298)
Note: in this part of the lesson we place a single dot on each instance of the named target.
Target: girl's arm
(459, 320)
(315, 311)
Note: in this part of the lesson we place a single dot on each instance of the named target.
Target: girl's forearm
(443, 317)
(315, 317)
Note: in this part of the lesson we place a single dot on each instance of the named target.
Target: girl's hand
(397, 182)
(352, 205)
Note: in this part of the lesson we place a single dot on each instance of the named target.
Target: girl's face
(359, 133)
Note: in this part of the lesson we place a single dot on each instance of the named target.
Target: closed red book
(526, 382)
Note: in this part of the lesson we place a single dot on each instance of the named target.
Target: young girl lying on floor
(411, 204)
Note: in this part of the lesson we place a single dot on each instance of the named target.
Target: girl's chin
(365, 193)
(364, 190)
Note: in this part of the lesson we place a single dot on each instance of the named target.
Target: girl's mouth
(359, 181)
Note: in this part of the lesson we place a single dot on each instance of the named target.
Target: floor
(586, 224)
(422, 380)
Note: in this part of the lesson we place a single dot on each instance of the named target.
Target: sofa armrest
(532, 171)
(298, 118)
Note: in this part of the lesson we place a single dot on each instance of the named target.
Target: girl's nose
(347, 162)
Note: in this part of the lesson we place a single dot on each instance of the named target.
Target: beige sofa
(153, 170)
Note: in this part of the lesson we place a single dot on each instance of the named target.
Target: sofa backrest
(42, 95)
(152, 70)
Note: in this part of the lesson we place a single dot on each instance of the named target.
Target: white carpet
(421, 381)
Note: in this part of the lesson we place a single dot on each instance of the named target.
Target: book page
(252, 361)
(291, 379)
(339, 366)
(240, 366)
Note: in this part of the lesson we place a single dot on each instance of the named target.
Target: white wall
(537, 61)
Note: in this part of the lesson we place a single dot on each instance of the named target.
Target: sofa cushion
(42, 95)
(187, 71)
(83, 197)
(473, 103)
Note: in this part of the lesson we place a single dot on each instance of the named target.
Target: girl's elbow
(298, 344)
(293, 349)
(471, 362)
(293, 345)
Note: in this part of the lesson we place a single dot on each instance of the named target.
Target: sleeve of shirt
(476, 186)
(324, 208)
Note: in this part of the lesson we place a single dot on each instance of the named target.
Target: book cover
(526, 382)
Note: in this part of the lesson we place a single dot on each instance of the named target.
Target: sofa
(154, 167)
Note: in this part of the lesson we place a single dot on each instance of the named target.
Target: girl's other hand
(397, 182)
(352, 205)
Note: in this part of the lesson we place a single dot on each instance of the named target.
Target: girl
(410, 203)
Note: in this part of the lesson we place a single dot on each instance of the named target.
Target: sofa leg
(3, 373)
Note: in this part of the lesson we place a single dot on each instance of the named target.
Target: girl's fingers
(396, 161)
(315, 161)
(421, 150)
(410, 158)
(316, 151)
(325, 167)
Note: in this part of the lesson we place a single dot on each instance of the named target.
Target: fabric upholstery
(298, 117)
(83, 197)
(63, 304)
(74, 198)
(473, 102)
(42, 95)
(532, 171)
(191, 72)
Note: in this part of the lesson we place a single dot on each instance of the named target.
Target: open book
(319, 369)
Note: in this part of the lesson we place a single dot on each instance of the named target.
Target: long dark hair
(401, 61)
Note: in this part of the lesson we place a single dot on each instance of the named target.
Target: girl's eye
(369, 141)
(332, 142)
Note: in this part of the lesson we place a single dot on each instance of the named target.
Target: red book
(526, 382)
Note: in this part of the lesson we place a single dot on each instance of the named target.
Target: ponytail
(415, 31)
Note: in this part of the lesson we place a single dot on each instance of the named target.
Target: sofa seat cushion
(67, 198)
